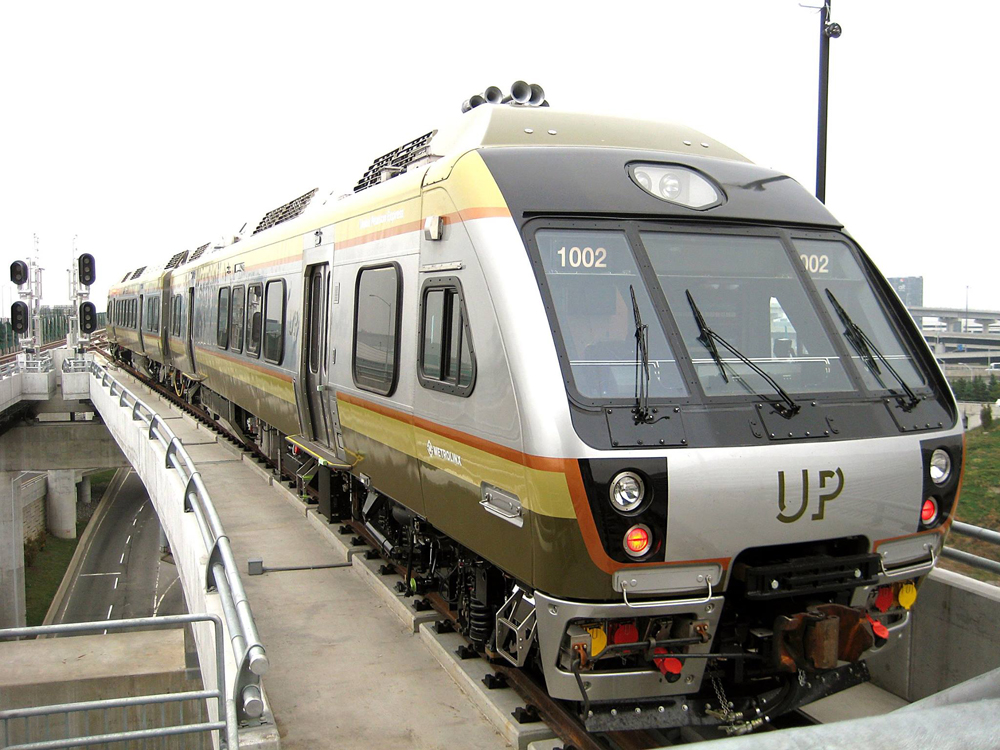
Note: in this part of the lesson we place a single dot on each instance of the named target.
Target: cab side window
(255, 294)
(447, 359)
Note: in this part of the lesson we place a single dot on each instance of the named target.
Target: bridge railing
(975, 561)
(222, 574)
(20, 725)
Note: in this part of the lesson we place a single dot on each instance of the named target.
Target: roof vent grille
(396, 162)
(199, 252)
(177, 259)
(286, 212)
(138, 273)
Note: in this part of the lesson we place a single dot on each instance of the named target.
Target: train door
(141, 322)
(189, 332)
(316, 364)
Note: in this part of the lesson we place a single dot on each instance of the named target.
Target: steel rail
(222, 571)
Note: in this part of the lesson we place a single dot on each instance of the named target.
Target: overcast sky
(147, 129)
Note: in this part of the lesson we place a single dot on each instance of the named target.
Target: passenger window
(274, 321)
(446, 354)
(376, 328)
(236, 318)
(175, 322)
(254, 295)
(222, 328)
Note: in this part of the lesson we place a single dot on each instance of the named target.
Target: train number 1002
(816, 263)
(588, 257)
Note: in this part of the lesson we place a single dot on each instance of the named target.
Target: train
(638, 413)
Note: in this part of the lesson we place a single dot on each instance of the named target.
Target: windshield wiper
(864, 346)
(641, 410)
(708, 338)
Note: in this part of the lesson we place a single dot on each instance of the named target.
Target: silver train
(638, 412)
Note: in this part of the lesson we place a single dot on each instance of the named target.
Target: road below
(123, 573)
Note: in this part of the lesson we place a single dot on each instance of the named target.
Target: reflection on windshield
(831, 265)
(749, 293)
(589, 274)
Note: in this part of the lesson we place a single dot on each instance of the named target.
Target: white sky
(148, 129)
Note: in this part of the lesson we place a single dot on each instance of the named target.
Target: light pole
(827, 31)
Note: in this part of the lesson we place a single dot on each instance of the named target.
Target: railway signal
(87, 268)
(88, 317)
(19, 318)
(19, 272)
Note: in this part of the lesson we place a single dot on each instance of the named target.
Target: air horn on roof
(521, 95)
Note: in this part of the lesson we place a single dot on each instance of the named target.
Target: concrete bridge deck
(345, 671)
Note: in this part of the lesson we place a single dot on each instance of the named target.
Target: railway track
(557, 715)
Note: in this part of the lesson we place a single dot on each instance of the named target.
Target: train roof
(484, 127)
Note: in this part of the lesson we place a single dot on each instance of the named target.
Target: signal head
(19, 272)
(19, 317)
(88, 317)
(87, 269)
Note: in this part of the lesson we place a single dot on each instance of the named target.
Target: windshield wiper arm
(864, 346)
(708, 339)
(641, 410)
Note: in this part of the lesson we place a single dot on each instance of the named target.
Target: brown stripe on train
(569, 467)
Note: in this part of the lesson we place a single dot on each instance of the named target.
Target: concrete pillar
(985, 323)
(83, 490)
(60, 504)
(11, 551)
(953, 325)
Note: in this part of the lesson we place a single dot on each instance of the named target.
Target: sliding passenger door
(316, 366)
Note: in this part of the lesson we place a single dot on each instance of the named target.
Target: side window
(376, 328)
(316, 301)
(274, 321)
(446, 352)
(236, 316)
(155, 326)
(222, 324)
(175, 315)
(254, 318)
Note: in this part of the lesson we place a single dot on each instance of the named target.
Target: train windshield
(840, 281)
(750, 295)
(591, 276)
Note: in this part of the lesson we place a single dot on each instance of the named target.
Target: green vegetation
(43, 576)
(976, 389)
(979, 501)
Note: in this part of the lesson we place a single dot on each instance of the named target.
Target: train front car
(761, 458)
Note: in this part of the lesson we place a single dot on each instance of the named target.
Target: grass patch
(979, 501)
(43, 576)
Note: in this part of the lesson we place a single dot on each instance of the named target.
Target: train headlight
(676, 184)
(627, 492)
(940, 470)
(637, 540)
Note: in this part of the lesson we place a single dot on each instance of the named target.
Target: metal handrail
(975, 561)
(8, 369)
(223, 573)
(226, 716)
(75, 365)
(40, 363)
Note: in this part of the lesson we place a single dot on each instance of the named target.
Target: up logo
(824, 497)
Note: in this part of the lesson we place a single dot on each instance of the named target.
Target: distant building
(910, 289)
